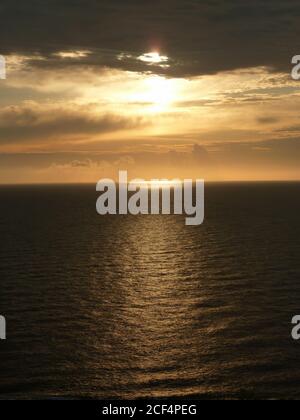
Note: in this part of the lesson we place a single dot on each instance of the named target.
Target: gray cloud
(265, 120)
(26, 124)
(201, 37)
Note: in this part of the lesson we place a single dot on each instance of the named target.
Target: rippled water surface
(123, 306)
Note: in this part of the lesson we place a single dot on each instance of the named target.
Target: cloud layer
(30, 123)
(200, 37)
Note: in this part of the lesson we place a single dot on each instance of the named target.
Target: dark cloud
(201, 37)
(26, 124)
(265, 120)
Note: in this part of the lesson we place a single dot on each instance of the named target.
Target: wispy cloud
(29, 123)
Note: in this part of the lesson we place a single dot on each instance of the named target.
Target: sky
(172, 89)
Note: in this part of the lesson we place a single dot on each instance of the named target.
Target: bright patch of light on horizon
(153, 58)
(157, 183)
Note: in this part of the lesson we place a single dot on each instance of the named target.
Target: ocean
(145, 306)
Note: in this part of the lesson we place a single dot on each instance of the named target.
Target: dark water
(144, 306)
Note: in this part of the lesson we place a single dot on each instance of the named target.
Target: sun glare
(159, 93)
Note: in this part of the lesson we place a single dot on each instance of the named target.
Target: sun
(159, 92)
(155, 93)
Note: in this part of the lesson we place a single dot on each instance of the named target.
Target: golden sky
(76, 114)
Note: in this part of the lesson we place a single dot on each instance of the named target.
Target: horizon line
(262, 181)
